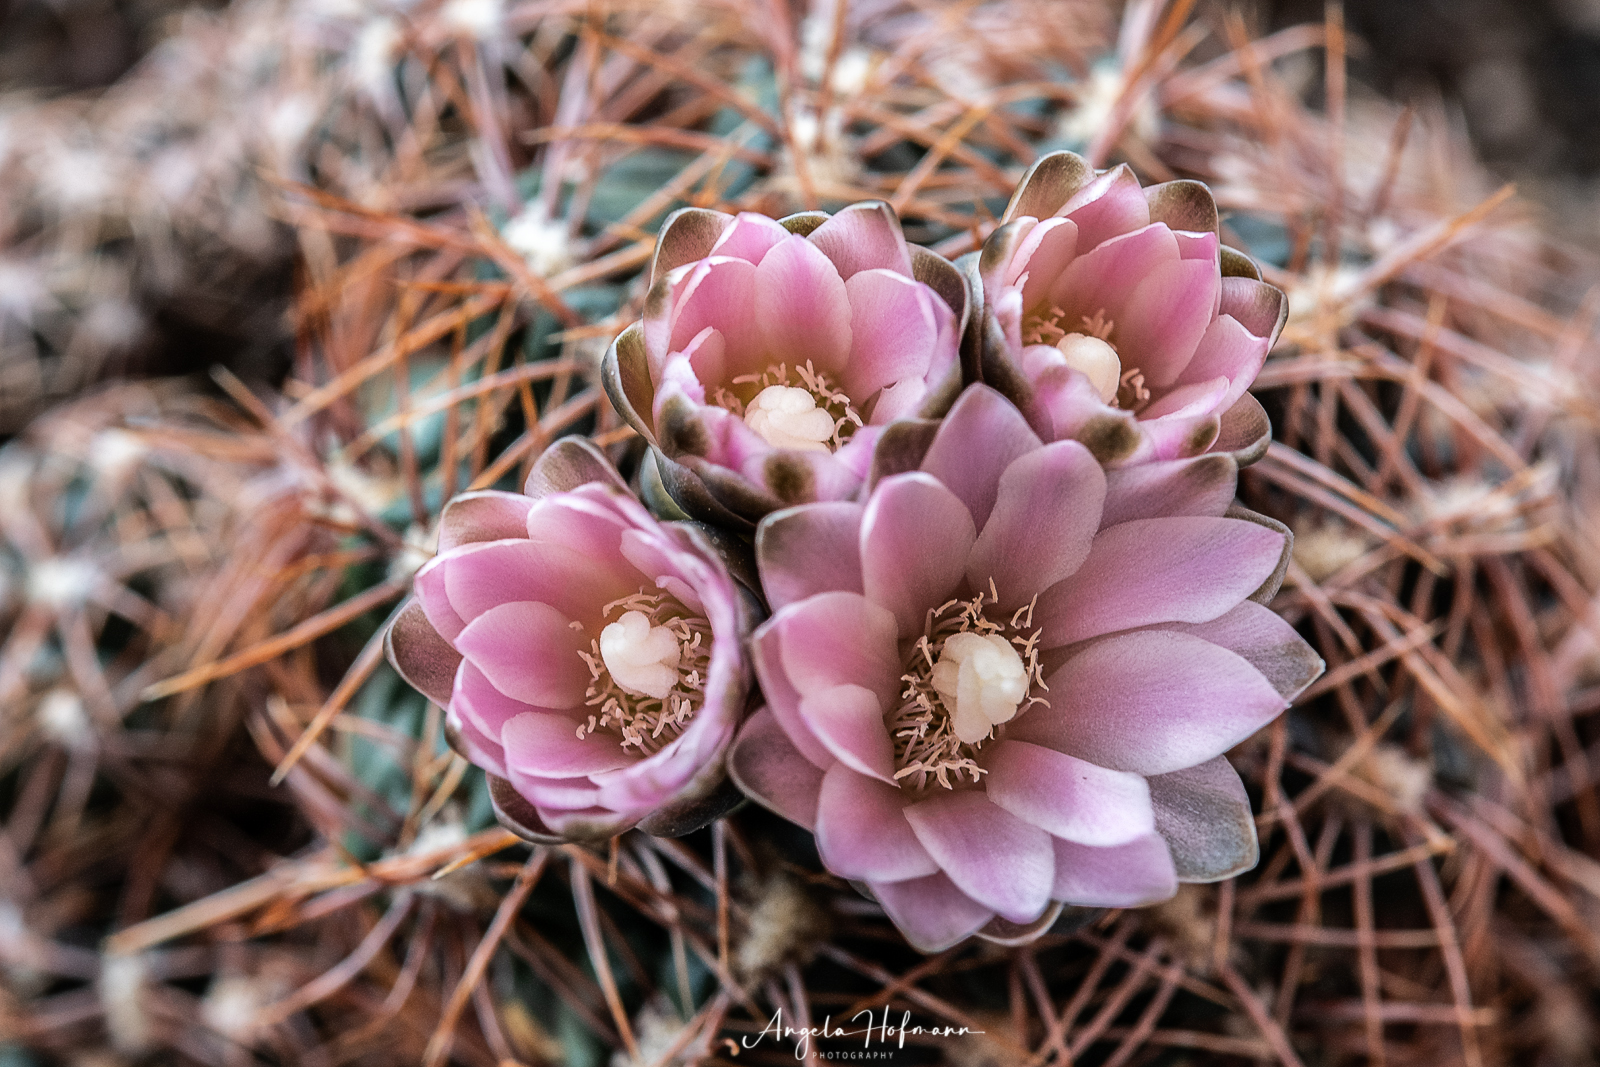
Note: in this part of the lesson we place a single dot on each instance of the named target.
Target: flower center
(792, 407)
(647, 670)
(965, 675)
(1092, 353)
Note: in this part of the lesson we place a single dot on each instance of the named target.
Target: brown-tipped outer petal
(901, 448)
(567, 464)
(1204, 815)
(1274, 582)
(514, 812)
(940, 275)
(803, 222)
(1003, 931)
(421, 656)
(1260, 308)
(690, 814)
(1235, 264)
(625, 375)
(687, 235)
(1246, 431)
(1183, 205)
(695, 498)
(1048, 184)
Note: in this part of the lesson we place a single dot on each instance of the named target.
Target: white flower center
(787, 417)
(643, 659)
(981, 680)
(1096, 359)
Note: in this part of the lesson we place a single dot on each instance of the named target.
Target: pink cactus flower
(1112, 315)
(1005, 681)
(589, 657)
(772, 353)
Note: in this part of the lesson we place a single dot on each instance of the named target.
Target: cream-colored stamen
(787, 417)
(1096, 359)
(643, 659)
(981, 680)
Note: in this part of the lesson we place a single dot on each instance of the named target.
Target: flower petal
(1202, 485)
(1045, 516)
(1123, 876)
(1270, 644)
(915, 537)
(800, 308)
(1186, 569)
(750, 237)
(1204, 815)
(476, 701)
(848, 719)
(1066, 796)
(529, 651)
(837, 639)
(1230, 351)
(772, 772)
(574, 582)
(813, 548)
(1150, 702)
(862, 831)
(893, 331)
(719, 294)
(980, 437)
(931, 912)
(547, 746)
(864, 236)
(1104, 277)
(1111, 205)
(782, 699)
(991, 855)
(1044, 253)
(422, 656)
(486, 515)
(1165, 317)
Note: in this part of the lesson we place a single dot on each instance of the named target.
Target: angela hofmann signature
(883, 1031)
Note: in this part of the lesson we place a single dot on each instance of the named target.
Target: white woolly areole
(643, 659)
(982, 680)
(787, 417)
(1096, 359)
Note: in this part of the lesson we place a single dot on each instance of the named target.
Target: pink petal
(801, 308)
(980, 437)
(1108, 206)
(863, 236)
(485, 515)
(435, 599)
(718, 294)
(862, 832)
(1044, 254)
(705, 358)
(931, 912)
(477, 702)
(1186, 400)
(575, 583)
(915, 537)
(1178, 436)
(1270, 644)
(1200, 246)
(813, 548)
(1104, 278)
(892, 330)
(837, 639)
(547, 746)
(1230, 351)
(1203, 485)
(561, 794)
(479, 749)
(529, 651)
(1044, 520)
(1150, 702)
(771, 771)
(1123, 876)
(783, 702)
(1066, 796)
(848, 720)
(749, 237)
(991, 855)
(1164, 319)
(1159, 570)
(899, 401)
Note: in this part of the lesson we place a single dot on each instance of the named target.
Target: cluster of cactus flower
(937, 560)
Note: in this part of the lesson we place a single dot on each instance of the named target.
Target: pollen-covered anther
(981, 680)
(787, 417)
(643, 659)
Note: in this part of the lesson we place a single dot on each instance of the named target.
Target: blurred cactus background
(278, 277)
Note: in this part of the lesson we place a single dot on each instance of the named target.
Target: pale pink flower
(1112, 315)
(772, 353)
(590, 658)
(1006, 680)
